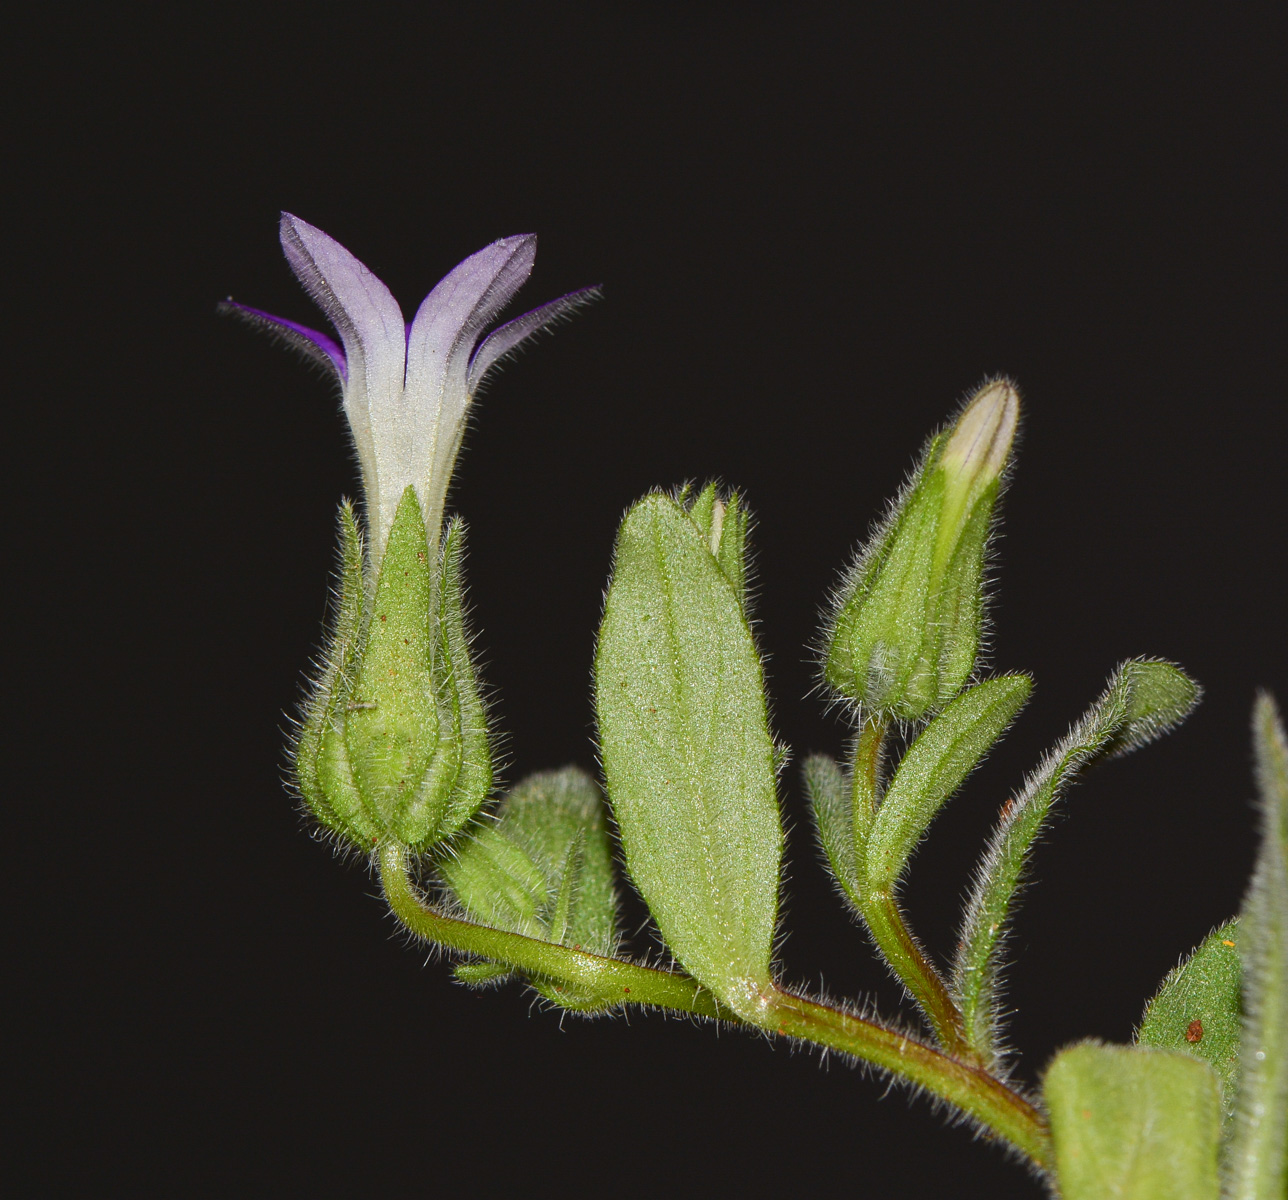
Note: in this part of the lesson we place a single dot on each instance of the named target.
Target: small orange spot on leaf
(1194, 1031)
(1226, 942)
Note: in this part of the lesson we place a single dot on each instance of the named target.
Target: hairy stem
(964, 1085)
(606, 979)
(880, 910)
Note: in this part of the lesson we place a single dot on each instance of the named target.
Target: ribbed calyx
(394, 743)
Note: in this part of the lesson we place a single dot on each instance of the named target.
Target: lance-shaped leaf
(1133, 1124)
(1197, 1009)
(687, 753)
(869, 838)
(543, 869)
(1256, 1166)
(829, 797)
(1144, 699)
(939, 760)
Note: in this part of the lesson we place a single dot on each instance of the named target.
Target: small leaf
(933, 769)
(687, 752)
(1133, 1124)
(1196, 1009)
(544, 867)
(1157, 697)
(1256, 1166)
(1144, 699)
(481, 974)
(829, 797)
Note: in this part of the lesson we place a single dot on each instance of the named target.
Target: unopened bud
(394, 745)
(723, 522)
(906, 629)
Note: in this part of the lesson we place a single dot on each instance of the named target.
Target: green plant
(394, 759)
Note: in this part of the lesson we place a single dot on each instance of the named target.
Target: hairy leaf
(1144, 699)
(543, 868)
(1256, 1167)
(1196, 1009)
(829, 797)
(1133, 1124)
(933, 769)
(687, 753)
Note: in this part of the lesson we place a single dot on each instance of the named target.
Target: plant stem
(965, 1085)
(881, 912)
(607, 979)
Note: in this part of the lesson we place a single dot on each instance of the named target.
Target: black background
(815, 233)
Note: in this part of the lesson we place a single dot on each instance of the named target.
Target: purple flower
(408, 387)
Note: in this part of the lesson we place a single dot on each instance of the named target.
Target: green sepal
(462, 713)
(1144, 699)
(1256, 1165)
(947, 750)
(731, 553)
(702, 511)
(391, 729)
(723, 523)
(542, 868)
(1129, 1123)
(687, 752)
(1197, 1009)
(318, 758)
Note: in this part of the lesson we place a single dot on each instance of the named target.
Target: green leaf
(687, 752)
(1133, 1124)
(1256, 1166)
(544, 869)
(829, 797)
(1144, 699)
(933, 769)
(1197, 1011)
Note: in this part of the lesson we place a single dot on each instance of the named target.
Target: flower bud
(906, 627)
(394, 744)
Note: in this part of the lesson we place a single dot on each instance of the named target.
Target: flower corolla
(407, 387)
